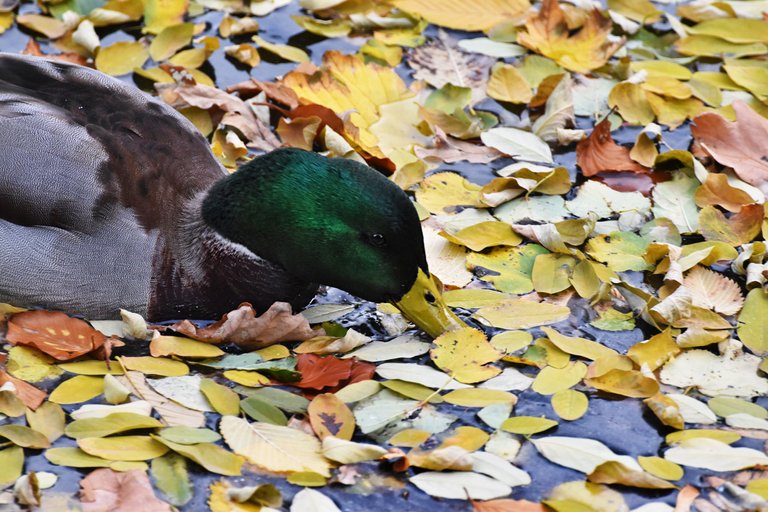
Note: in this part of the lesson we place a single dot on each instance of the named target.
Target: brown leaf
(330, 416)
(507, 506)
(685, 498)
(716, 191)
(105, 490)
(449, 150)
(244, 328)
(740, 144)
(27, 393)
(33, 48)
(58, 335)
(274, 91)
(237, 113)
(599, 153)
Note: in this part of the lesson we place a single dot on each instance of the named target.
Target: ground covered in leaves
(618, 290)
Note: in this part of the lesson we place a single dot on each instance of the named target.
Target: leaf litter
(572, 231)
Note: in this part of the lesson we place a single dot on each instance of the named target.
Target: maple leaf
(548, 33)
(599, 153)
(739, 144)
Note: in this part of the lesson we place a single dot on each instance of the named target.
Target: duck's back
(92, 172)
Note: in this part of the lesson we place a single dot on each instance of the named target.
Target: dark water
(626, 426)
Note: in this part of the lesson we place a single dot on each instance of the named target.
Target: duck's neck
(202, 274)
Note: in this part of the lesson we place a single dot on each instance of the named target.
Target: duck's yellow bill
(423, 305)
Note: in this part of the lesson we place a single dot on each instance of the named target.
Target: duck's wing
(92, 173)
(76, 146)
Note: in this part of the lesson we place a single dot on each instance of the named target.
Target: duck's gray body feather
(100, 187)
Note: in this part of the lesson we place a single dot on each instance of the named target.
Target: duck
(111, 199)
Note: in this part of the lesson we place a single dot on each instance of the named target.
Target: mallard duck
(111, 199)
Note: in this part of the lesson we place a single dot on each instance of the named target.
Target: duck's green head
(331, 221)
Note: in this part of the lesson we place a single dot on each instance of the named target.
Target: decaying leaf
(54, 333)
(243, 327)
(105, 489)
(599, 153)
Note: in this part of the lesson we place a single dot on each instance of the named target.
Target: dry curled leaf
(599, 153)
(739, 144)
(249, 331)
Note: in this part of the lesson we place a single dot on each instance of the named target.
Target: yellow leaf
(469, 15)
(222, 399)
(711, 46)
(24, 436)
(183, 347)
(551, 380)
(468, 438)
(522, 314)
(734, 29)
(588, 48)
(155, 366)
(666, 409)
(410, 438)
(661, 468)
(46, 25)
(445, 192)
(654, 352)
(11, 465)
(219, 500)
(273, 447)
(483, 235)
(625, 382)
(120, 58)
(92, 367)
(78, 389)
(508, 84)
(579, 346)
(347, 452)
(478, 397)
(632, 103)
(570, 404)
(247, 378)
(527, 425)
(6, 21)
(473, 297)
(283, 50)
(111, 424)
(48, 419)
(170, 40)
(159, 14)
(614, 472)
(329, 416)
(212, 457)
(126, 448)
(190, 59)
(245, 53)
(77, 458)
(511, 341)
(720, 435)
(462, 354)
(31, 365)
(753, 321)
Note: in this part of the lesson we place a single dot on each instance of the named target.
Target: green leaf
(212, 457)
(263, 411)
(172, 478)
(112, 424)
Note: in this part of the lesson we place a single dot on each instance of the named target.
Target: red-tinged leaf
(327, 116)
(58, 335)
(105, 489)
(321, 372)
(27, 393)
(507, 506)
(599, 153)
(274, 91)
(740, 144)
(740, 228)
(33, 48)
(360, 371)
(685, 498)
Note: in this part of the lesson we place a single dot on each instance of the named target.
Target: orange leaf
(330, 372)
(330, 416)
(507, 506)
(740, 144)
(58, 335)
(738, 229)
(599, 153)
(27, 393)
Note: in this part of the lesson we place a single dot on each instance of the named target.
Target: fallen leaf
(249, 331)
(736, 144)
(712, 290)
(582, 50)
(107, 490)
(460, 485)
(714, 455)
(753, 322)
(329, 416)
(599, 153)
(580, 454)
(738, 229)
(210, 456)
(613, 472)
(54, 333)
(310, 499)
(463, 353)
(273, 447)
(716, 375)
(469, 15)
(123, 448)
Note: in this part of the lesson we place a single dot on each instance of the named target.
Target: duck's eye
(377, 240)
(429, 297)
